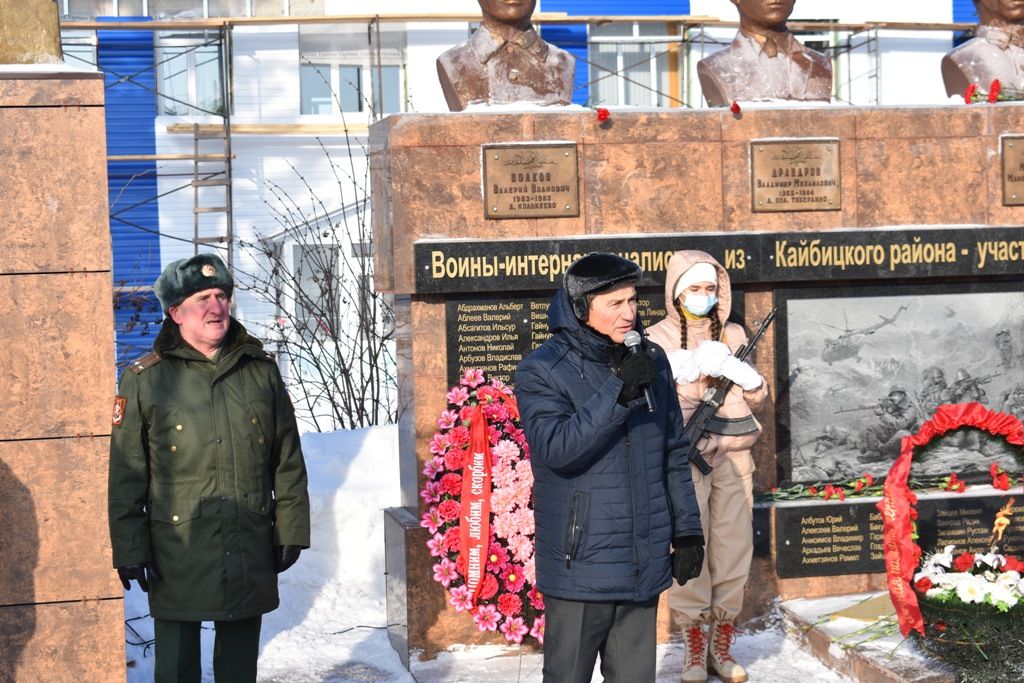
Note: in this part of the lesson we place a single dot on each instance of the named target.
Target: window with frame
(340, 71)
(630, 64)
(190, 75)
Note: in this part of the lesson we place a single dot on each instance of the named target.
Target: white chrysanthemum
(938, 592)
(1008, 579)
(951, 580)
(1020, 586)
(972, 589)
(997, 593)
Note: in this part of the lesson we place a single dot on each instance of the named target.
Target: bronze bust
(996, 51)
(765, 61)
(506, 61)
(30, 32)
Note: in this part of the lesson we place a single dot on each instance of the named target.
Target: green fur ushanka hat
(184, 277)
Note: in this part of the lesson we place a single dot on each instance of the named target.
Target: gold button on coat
(174, 449)
(174, 518)
(178, 427)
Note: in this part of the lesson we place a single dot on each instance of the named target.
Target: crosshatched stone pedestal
(61, 605)
(647, 172)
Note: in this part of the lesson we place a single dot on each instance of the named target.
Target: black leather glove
(687, 557)
(285, 556)
(143, 573)
(635, 371)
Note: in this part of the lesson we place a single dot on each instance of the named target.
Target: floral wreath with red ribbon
(902, 554)
(478, 487)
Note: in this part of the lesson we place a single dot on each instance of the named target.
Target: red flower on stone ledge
(993, 91)
(735, 107)
(969, 93)
(603, 114)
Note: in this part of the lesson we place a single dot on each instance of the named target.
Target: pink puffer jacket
(668, 334)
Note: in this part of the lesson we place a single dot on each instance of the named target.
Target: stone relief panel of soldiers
(866, 371)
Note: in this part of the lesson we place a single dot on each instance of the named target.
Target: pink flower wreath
(506, 599)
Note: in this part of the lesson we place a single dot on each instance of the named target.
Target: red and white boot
(695, 665)
(720, 661)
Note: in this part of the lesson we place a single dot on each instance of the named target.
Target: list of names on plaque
(795, 175)
(967, 523)
(827, 540)
(494, 334)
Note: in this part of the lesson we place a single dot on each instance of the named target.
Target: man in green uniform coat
(207, 490)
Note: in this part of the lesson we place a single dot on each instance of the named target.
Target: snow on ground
(330, 626)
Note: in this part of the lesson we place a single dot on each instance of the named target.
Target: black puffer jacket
(612, 485)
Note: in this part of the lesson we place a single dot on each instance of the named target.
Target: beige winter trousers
(726, 500)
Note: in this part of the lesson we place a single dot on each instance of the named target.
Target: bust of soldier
(506, 61)
(996, 51)
(30, 32)
(765, 61)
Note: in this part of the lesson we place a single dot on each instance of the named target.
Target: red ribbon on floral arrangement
(902, 555)
(474, 526)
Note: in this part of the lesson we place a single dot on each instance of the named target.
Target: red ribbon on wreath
(901, 553)
(474, 527)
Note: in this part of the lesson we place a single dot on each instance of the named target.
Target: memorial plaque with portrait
(861, 368)
(1012, 169)
(795, 175)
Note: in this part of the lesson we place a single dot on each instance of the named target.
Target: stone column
(61, 606)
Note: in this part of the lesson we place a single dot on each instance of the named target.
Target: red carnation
(993, 91)
(858, 485)
(455, 459)
(488, 587)
(488, 394)
(449, 509)
(923, 584)
(466, 413)
(940, 626)
(841, 493)
(451, 540)
(869, 479)
(1012, 564)
(963, 562)
(603, 114)
(1002, 481)
(969, 93)
(510, 604)
(734, 107)
(812, 490)
(451, 484)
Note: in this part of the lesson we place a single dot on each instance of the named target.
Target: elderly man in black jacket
(612, 491)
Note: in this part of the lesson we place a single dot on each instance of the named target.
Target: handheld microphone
(632, 342)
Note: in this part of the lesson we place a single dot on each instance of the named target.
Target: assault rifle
(840, 411)
(713, 398)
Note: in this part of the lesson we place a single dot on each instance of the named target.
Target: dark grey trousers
(623, 633)
(235, 651)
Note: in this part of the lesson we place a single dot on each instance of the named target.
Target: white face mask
(698, 304)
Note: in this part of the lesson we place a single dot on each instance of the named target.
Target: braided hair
(716, 323)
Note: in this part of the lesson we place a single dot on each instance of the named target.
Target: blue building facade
(573, 37)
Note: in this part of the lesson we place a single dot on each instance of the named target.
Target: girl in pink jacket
(700, 343)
